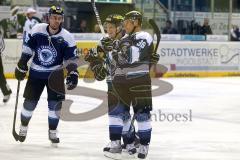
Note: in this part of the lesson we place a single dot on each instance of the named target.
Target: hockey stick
(15, 135)
(97, 16)
(158, 69)
(157, 32)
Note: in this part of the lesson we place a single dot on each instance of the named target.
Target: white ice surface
(213, 133)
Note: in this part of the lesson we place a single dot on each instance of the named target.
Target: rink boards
(181, 58)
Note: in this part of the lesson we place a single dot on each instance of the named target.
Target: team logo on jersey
(141, 44)
(47, 55)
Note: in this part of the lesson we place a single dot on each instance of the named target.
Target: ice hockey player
(114, 28)
(133, 85)
(31, 21)
(52, 45)
(3, 83)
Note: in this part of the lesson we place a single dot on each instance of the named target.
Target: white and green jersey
(137, 49)
(109, 62)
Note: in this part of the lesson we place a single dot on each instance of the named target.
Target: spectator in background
(3, 83)
(235, 34)
(31, 20)
(169, 29)
(97, 29)
(83, 26)
(194, 28)
(206, 29)
(13, 23)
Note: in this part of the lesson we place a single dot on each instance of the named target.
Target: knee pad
(142, 117)
(126, 117)
(28, 108)
(30, 104)
(118, 110)
(54, 105)
(118, 115)
(144, 121)
(54, 108)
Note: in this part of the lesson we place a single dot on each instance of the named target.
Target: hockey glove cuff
(72, 80)
(100, 72)
(154, 58)
(21, 70)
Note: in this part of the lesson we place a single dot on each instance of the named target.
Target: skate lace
(130, 146)
(6, 97)
(23, 131)
(143, 149)
(53, 134)
(114, 144)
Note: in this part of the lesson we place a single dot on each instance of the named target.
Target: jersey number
(141, 44)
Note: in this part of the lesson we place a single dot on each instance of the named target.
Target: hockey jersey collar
(60, 29)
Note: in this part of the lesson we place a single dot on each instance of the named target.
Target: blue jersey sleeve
(28, 47)
(70, 51)
(70, 54)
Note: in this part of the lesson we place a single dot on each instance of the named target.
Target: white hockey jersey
(138, 54)
(29, 24)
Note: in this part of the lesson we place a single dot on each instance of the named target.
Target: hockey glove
(100, 72)
(107, 44)
(123, 58)
(91, 56)
(154, 58)
(72, 80)
(21, 70)
(126, 43)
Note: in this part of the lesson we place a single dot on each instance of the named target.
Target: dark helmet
(134, 15)
(115, 19)
(56, 10)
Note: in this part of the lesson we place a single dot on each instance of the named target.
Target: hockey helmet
(115, 19)
(56, 10)
(133, 15)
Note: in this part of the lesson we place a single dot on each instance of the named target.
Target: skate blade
(141, 158)
(116, 156)
(127, 156)
(54, 145)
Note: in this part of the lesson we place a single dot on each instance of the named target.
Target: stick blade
(15, 135)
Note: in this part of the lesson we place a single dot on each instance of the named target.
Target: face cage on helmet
(119, 26)
(49, 14)
(133, 19)
(56, 14)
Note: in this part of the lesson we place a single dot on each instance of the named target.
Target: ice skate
(143, 151)
(7, 97)
(52, 135)
(136, 143)
(22, 133)
(130, 152)
(113, 150)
